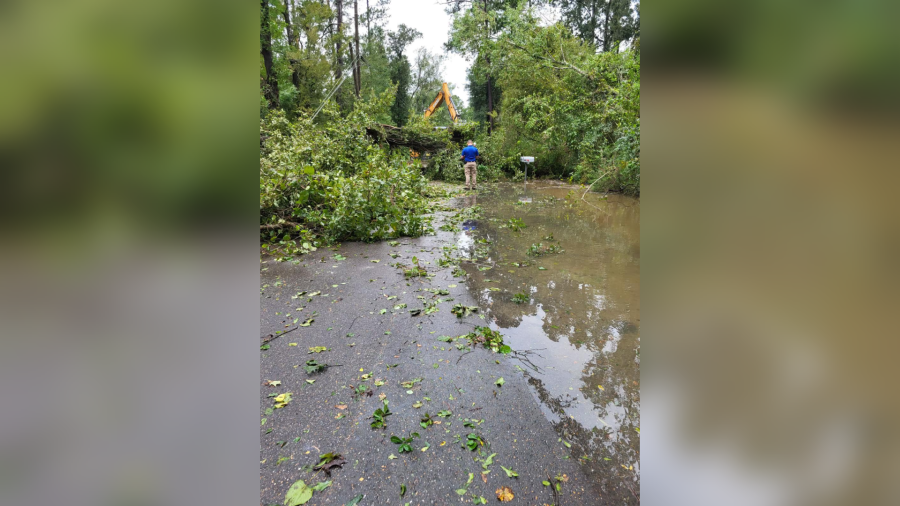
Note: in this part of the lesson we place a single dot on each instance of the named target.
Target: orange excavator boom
(443, 96)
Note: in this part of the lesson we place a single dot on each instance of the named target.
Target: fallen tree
(414, 139)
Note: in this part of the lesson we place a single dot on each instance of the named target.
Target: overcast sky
(428, 17)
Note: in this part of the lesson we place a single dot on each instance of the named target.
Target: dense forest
(336, 83)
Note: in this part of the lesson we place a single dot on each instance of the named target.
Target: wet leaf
(298, 494)
(282, 400)
(355, 500)
(322, 485)
(494, 289)
(318, 349)
(308, 322)
(505, 494)
(402, 489)
(329, 461)
(500, 382)
(546, 483)
(510, 473)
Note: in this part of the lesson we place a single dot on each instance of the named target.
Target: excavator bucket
(443, 96)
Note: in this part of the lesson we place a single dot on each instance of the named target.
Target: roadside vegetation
(335, 167)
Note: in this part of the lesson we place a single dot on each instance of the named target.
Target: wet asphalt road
(362, 340)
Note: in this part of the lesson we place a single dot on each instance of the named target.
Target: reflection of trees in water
(590, 298)
(615, 484)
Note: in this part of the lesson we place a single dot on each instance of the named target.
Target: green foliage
(520, 298)
(404, 442)
(380, 415)
(332, 183)
(489, 339)
(540, 249)
(575, 109)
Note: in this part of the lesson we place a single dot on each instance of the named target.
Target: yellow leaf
(600, 387)
(443, 443)
(292, 344)
(505, 494)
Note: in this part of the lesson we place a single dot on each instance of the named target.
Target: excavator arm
(443, 96)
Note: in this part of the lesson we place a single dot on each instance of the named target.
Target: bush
(329, 182)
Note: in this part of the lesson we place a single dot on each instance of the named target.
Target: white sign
(527, 159)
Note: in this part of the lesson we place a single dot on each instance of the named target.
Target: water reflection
(578, 336)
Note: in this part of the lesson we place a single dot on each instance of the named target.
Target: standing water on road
(559, 277)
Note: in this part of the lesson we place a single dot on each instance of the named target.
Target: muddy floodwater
(573, 267)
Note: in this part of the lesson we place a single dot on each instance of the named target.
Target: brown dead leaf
(563, 478)
(341, 406)
(505, 494)
(484, 477)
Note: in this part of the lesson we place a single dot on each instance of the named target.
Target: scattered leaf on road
(282, 400)
(500, 382)
(317, 349)
(298, 494)
(510, 473)
(322, 485)
(272, 383)
(505, 494)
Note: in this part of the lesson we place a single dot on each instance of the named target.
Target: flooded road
(559, 277)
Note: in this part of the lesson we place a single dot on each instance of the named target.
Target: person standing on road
(469, 155)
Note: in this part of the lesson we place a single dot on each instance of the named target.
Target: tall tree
(400, 71)
(474, 31)
(339, 35)
(356, 77)
(270, 83)
(603, 23)
(293, 43)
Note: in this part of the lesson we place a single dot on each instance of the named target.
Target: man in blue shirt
(469, 155)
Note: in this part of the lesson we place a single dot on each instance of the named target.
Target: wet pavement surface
(579, 310)
(577, 331)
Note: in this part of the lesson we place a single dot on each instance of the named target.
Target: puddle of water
(580, 314)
